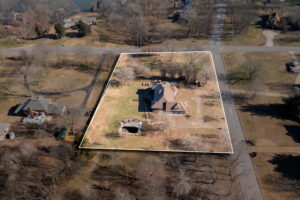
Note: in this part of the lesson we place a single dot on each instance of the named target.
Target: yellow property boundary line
(144, 150)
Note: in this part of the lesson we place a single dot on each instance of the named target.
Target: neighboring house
(4, 128)
(73, 22)
(40, 104)
(164, 98)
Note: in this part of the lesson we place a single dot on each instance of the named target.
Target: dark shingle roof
(163, 92)
(41, 104)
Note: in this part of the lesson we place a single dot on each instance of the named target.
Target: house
(73, 22)
(4, 128)
(164, 94)
(40, 105)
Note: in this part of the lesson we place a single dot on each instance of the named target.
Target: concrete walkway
(270, 35)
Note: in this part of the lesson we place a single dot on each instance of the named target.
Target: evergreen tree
(60, 30)
(83, 28)
(40, 31)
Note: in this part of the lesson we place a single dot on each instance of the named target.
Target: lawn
(271, 71)
(124, 102)
(288, 39)
(53, 78)
(264, 126)
(10, 43)
(65, 79)
(253, 36)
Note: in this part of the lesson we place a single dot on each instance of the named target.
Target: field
(271, 74)
(202, 128)
(273, 134)
(278, 175)
(288, 39)
(252, 36)
(75, 83)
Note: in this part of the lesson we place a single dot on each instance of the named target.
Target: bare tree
(123, 75)
(241, 15)
(122, 194)
(183, 185)
(151, 175)
(139, 68)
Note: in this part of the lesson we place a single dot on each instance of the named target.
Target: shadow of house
(11, 111)
(145, 97)
(287, 165)
(293, 132)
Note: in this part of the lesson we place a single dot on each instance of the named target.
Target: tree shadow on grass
(261, 23)
(73, 35)
(293, 132)
(287, 165)
(277, 111)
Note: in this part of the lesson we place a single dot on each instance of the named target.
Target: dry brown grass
(266, 170)
(272, 75)
(266, 129)
(122, 103)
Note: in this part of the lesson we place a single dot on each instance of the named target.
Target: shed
(63, 132)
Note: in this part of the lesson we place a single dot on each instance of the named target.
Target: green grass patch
(252, 36)
(10, 44)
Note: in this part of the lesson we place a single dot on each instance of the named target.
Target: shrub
(83, 28)
(59, 30)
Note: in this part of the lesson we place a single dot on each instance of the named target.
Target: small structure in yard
(73, 22)
(164, 94)
(130, 126)
(4, 128)
(63, 133)
(11, 135)
(40, 105)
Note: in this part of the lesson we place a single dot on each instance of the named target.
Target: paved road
(70, 50)
(248, 181)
